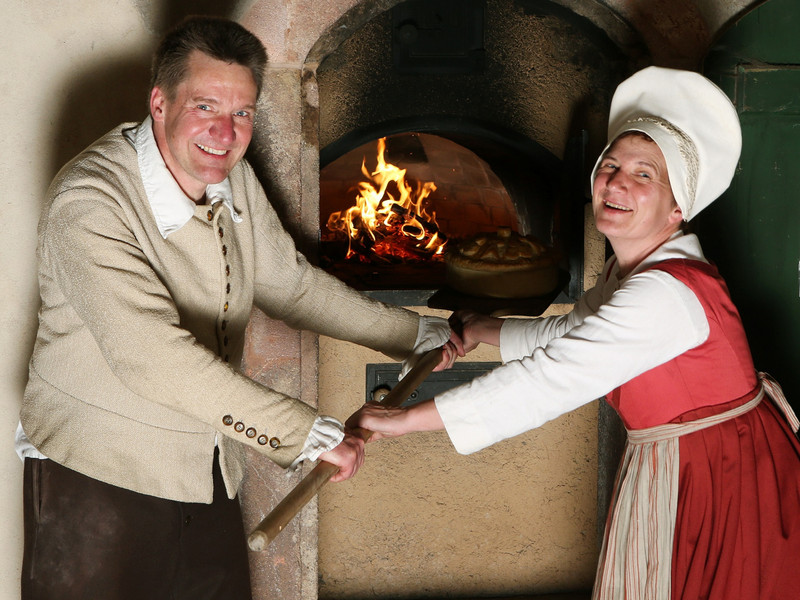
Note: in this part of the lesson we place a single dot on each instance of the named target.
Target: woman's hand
(393, 422)
(471, 329)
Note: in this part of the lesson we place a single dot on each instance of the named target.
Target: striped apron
(636, 556)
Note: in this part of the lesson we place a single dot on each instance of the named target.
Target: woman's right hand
(393, 422)
(473, 328)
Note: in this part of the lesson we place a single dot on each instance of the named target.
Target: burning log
(389, 219)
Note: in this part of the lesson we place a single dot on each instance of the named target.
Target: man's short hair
(219, 38)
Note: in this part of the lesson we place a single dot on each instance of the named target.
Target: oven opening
(393, 205)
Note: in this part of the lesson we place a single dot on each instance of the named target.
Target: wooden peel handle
(303, 492)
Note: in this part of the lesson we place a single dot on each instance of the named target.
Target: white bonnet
(694, 124)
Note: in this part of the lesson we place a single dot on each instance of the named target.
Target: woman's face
(632, 199)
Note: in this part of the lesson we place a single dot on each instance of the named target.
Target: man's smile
(213, 151)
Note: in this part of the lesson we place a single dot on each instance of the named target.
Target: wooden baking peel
(295, 500)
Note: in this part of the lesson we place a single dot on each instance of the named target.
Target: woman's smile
(633, 202)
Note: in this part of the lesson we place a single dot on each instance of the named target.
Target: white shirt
(619, 329)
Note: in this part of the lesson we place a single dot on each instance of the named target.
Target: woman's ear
(676, 216)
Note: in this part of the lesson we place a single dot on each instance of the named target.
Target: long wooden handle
(295, 500)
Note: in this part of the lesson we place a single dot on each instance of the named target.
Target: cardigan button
(239, 427)
(210, 215)
(274, 443)
(227, 420)
(262, 440)
(251, 433)
(224, 250)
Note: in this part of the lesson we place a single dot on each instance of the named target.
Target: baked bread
(501, 265)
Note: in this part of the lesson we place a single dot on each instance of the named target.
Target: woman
(707, 500)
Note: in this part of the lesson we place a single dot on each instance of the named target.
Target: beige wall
(54, 60)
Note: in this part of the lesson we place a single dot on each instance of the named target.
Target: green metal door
(753, 232)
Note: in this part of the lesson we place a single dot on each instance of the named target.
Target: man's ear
(157, 101)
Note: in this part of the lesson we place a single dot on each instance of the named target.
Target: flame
(389, 219)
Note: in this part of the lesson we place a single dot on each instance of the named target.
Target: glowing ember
(389, 222)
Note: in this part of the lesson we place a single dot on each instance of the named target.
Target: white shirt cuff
(512, 339)
(433, 332)
(326, 433)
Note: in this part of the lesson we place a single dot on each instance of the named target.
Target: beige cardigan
(134, 372)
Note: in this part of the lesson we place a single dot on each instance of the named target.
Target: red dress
(737, 529)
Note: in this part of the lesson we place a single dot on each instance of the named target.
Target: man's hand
(348, 456)
(450, 352)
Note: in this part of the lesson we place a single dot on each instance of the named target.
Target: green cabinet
(753, 232)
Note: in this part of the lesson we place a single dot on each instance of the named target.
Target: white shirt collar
(171, 208)
(679, 245)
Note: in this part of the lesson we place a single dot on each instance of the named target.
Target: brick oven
(500, 102)
(447, 82)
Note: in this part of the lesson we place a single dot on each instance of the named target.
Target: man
(155, 243)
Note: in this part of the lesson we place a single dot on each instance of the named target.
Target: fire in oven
(421, 211)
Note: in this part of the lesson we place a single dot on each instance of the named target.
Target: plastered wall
(57, 65)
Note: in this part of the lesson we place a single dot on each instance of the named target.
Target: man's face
(205, 129)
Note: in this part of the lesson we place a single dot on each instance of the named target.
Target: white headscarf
(694, 124)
